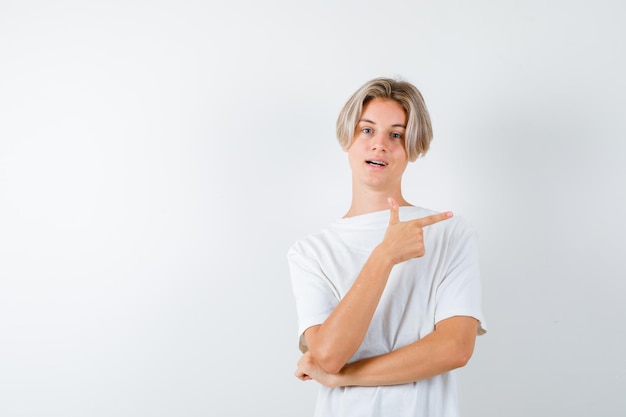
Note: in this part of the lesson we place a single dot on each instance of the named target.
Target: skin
(380, 137)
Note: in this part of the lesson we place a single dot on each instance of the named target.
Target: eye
(367, 130)
(396, 135)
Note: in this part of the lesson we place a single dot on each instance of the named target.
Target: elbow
(332, 368)
(330, 354)
(461, 360)
(330, 363)
(457, 337)
(461, 357)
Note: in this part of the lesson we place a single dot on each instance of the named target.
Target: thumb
(394, 216)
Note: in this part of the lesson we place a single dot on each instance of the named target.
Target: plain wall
(157, 159)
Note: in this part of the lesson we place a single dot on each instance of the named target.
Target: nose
(380, 143)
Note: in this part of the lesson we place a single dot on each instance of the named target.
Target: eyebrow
(372, 122)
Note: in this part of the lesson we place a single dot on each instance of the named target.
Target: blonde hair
(419, 132)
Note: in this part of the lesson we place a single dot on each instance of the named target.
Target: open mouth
(376, 163)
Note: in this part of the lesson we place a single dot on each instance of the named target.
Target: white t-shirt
(420, 292)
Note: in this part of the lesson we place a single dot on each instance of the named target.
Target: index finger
(432, 219)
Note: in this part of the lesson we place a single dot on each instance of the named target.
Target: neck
(369, 201)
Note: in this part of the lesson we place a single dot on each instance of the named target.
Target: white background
(157, 158)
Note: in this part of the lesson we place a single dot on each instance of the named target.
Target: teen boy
(388, 297)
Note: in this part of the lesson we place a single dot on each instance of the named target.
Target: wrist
(340, 379)
(383, 256)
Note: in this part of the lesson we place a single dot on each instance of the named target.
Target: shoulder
(312, 241)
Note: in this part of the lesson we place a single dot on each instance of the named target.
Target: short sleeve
(315, 295)
(459, 292)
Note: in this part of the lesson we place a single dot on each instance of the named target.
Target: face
(377, 155)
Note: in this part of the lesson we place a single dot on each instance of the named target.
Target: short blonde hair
(419, 132)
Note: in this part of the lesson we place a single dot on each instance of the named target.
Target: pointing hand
(405, 240)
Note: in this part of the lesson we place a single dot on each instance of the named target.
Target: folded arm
(448, 347)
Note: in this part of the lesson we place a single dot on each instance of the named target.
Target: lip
(376, 163)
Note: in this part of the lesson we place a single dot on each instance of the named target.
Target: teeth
(379, 163)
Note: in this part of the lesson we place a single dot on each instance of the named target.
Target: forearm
(439, 352)
(409, 364)
(334, 342)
